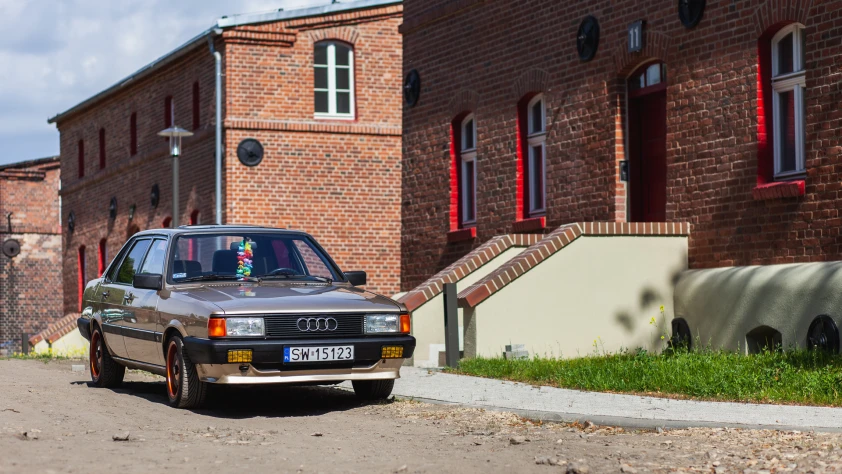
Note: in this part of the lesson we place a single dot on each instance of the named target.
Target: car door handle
(128, 298)
(105, 294)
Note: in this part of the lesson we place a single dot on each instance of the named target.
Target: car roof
(190, 229)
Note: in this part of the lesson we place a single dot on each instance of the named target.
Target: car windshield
(246, 256)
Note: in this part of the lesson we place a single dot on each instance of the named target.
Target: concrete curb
(628, 411)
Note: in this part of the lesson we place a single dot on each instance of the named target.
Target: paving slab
(556, 404)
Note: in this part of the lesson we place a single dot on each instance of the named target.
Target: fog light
(239, 355)
(391, 352)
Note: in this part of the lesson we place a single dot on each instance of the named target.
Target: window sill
(780, 189)
(334, 117)
(530, 224)
(460, 235)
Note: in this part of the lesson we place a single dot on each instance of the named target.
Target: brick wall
(268, 94)
(712, 122)
(30, 283)
(338, 180)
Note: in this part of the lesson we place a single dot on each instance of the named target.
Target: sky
(57, 53)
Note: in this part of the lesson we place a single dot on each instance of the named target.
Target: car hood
(250, 298)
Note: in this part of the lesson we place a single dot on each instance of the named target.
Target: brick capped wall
(339, 180)
(482, 56)
(30, 283)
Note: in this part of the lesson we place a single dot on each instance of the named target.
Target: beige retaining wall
(597, 288)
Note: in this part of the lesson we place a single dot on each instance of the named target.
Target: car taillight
(405, 324)
(216, 327)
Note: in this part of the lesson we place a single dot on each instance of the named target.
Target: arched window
(468, 170)
(101, 148)
(167, 222)
(133, 134)
(333, 80)
(536, 156)
(197, 119)
(81, 159)
(102, 257)
(788, 84)
(81, 277)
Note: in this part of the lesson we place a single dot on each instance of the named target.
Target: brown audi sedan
(240, 305)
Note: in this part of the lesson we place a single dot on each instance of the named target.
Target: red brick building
(319, 88)
(30, 233)
(730, 122)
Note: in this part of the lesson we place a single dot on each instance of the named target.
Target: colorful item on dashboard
(244, 256)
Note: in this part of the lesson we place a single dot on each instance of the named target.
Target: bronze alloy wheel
(173, 371)
(96, 355)
(184, 388)
(105, 371)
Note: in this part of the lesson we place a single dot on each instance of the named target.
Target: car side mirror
(355, 278)
(148, 281)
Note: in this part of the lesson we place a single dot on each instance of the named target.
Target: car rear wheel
(105, 371)
(373, 389)
(184, 389)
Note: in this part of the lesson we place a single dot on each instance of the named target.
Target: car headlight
(380, 323)
(244, 327)
(387, 323)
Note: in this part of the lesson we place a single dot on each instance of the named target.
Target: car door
(114, 294)
(142, 332)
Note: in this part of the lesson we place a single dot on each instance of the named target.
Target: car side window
(131, 264)
(154, 261)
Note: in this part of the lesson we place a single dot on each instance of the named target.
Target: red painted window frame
(197, 119)
(167, 222)
(133, 134)
(101, 257)
(80, 275)
(168, 114)
(456, 172)
(101, 148)
(81, 163)
(521, 173)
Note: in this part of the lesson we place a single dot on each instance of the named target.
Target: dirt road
(52, 421)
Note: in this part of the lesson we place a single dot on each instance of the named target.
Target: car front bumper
(211, 359)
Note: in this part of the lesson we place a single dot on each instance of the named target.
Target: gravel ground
(52, 421)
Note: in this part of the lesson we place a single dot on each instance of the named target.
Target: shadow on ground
(238, 402)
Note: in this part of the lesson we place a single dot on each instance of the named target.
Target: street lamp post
(175, 134)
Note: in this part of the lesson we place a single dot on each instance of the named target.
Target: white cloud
(54, 55)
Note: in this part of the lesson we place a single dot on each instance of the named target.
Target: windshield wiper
(286, 276)
(217, 277)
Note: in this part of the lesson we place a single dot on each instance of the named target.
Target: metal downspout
(218, 159)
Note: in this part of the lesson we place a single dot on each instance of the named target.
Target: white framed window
(788, 105)
(468, 162)
(334, 80)
(536, 166)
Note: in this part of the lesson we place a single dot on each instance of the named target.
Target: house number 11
(636, 36)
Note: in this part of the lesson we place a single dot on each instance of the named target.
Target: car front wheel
(105, 371)
(373, 389)
(184, 389)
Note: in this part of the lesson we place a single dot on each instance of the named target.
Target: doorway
(647, 122)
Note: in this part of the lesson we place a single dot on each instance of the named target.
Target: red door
(648, 145)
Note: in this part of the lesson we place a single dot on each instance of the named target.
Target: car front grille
(286, 326)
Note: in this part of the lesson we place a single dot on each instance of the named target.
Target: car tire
(373, 389)
(105, 371)
(184, 389)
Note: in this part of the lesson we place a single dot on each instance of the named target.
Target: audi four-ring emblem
(317, 324)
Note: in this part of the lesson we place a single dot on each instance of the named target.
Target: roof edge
(28, 163)
(277, 15)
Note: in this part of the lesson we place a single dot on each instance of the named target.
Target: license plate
(318, 354)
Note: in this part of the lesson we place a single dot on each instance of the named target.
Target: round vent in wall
(690, 12)
(11, 248)
(412, 88)
(250, 152)
(587, 38)
(823, 335)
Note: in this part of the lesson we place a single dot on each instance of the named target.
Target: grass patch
(791, 377)
(43, 356)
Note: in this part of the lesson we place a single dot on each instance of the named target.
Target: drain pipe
(218, 161)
